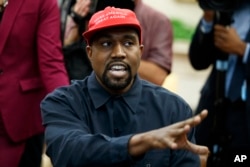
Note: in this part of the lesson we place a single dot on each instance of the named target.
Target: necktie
(234, 91)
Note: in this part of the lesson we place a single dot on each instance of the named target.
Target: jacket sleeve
(202, 50)
(50, 57)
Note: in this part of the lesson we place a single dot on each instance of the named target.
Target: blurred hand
(203, 160)
(173, 137)
(227, 40)
(82, 7)
(208, 15)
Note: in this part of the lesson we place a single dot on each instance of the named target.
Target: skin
(149, 75)
(121, 45)
(173, 137)
(115, 46)
(82, 8)
(1, 2)
(227, 40)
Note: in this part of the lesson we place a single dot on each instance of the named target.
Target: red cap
(111, 17)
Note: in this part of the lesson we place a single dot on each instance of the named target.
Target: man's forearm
(152, 72)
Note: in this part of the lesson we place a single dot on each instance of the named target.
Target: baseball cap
(111, 17)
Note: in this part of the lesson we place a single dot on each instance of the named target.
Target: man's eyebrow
(131, 36)
(101, 35)
(125, 36)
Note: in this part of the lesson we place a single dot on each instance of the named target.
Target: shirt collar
(100, 96)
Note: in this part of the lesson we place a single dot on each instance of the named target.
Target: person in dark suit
(226, 93)
(31, 65)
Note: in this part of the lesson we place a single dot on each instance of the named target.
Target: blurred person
(112, 117)
(157, 55)
(74, 16)
(31, 65)
(226, 93)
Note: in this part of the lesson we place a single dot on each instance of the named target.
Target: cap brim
(89, 34)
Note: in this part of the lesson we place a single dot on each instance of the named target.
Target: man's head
(114, 47)
(111, 17)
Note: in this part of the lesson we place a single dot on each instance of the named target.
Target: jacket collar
(8, 20)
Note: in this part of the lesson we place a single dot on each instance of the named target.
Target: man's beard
(118, 84)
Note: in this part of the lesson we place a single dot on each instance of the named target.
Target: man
(31, 65)
(157, 53)
(112, 117)
(222, 39)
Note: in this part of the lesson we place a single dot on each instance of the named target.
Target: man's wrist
(138, 145)
(76, 17)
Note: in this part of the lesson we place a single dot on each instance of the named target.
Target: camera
(219, 5)
(97, 5)
(223, 8)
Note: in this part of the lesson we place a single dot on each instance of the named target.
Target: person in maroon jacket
(31, 65)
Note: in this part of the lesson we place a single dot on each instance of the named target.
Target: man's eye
(128, 43)
(106, 44)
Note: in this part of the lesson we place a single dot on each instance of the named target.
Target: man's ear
(89, 52)
(141, 48)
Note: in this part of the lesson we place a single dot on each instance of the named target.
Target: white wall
(186, 10)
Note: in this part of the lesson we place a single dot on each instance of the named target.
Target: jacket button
(1, 71)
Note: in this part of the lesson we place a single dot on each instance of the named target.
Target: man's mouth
(118, 70)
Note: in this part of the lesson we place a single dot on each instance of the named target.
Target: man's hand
(208, 15)
(82, 7)
(172, 137)
(227, 40)
(79, 10)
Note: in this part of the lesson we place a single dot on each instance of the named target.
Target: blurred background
(184, 15)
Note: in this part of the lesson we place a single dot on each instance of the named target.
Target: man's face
(115, 57)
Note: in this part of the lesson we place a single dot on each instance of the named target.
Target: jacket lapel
(8, 20)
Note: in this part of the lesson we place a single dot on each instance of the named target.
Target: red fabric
(111, 17)
(32, 63)
(10, 153)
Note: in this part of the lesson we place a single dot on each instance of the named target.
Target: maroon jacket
(31, 64)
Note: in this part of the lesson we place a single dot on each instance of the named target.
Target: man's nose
(118, 51)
